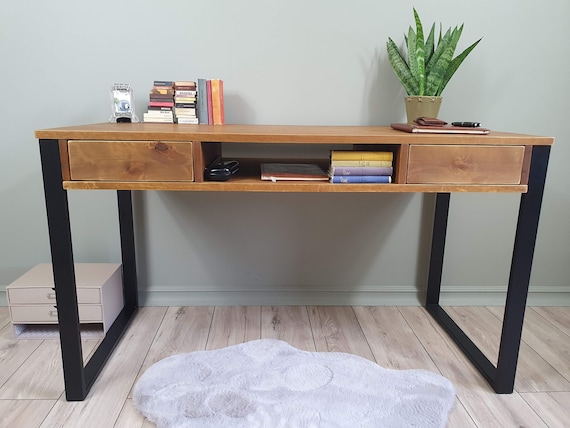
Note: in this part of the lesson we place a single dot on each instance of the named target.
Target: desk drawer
(48, 314)
(130, 160)
(434, 164)
(46, 295)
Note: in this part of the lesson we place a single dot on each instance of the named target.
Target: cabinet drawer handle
(53, 313)
(51, 296)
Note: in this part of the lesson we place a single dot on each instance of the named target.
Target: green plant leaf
(401, 68)
(429, 45)
(441, 45)
(411, 47)
(419, 54)
(454, 65)
(439, 68)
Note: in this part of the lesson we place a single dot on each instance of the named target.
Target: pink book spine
(210, 110)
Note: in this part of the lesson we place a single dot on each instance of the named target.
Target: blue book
(361, 179)
(361, 170)
(202, 102)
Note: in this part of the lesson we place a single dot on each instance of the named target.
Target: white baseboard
(385, 296)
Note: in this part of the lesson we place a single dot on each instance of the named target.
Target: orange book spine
(216, 102)
(222, 120)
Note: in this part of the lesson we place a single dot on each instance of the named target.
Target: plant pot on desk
(422, 106)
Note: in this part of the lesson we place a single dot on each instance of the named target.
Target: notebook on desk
(443, 129)
(293, 172)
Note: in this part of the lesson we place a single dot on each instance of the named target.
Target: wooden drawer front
(130, 160)
(46, 295)
(465, 164)
(48, 314)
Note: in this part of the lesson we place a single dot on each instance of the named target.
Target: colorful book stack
(161, 102)
(211, 101)
(185, 102)
(351, 166)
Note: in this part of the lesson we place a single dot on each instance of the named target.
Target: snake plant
(428, 66)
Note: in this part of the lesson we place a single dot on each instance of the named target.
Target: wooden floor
(31, 384)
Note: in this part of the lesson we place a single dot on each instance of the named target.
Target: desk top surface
(279, 134)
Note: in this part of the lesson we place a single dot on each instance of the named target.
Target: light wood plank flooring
(31, 384)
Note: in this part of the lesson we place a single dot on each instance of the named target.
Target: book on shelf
(362, 163)
(161, 90)
(184, 85)
(202, 102)
(157, 118)
(179, 111)
(292, 172)
(160, 97)
(184, 101)
(361, 179)
(162, 83)
(161, 103)
(186, 93)
(360, 170)
(184, 105)
(191, 120)
(441, 129)
(154, 108)
(160, 113)
(217, 88)
(209, 101)
(360, 155)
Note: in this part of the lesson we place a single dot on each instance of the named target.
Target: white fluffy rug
(269, 384)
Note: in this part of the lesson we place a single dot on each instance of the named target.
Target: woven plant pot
(422, 107)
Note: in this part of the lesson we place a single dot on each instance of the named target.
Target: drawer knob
(50, 296)
(53, 313)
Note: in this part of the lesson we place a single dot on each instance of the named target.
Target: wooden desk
(127, 157)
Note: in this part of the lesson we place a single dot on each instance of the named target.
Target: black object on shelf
(221, 170)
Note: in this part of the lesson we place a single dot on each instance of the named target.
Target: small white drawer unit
(31, 297)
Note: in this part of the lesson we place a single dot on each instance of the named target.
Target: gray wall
(320, 62)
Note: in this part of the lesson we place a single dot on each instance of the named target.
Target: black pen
(467, 124)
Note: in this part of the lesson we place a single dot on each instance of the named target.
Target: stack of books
(351, 166)
(185, 93)
(186, 101)
(161, 103)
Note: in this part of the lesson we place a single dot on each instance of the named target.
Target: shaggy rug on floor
(269, 384)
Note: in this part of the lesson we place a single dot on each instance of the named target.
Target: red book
(161, 104)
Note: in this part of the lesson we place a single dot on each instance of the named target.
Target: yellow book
(357, 155)
(361, 163)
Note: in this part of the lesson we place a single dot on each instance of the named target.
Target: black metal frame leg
(77, 377)
(502, 376)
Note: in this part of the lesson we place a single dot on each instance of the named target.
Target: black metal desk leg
(130, 287)
(519, 279)
(63, 271)
(437, 248)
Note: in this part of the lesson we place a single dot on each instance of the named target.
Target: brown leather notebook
(444, 129)
(292, 172)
